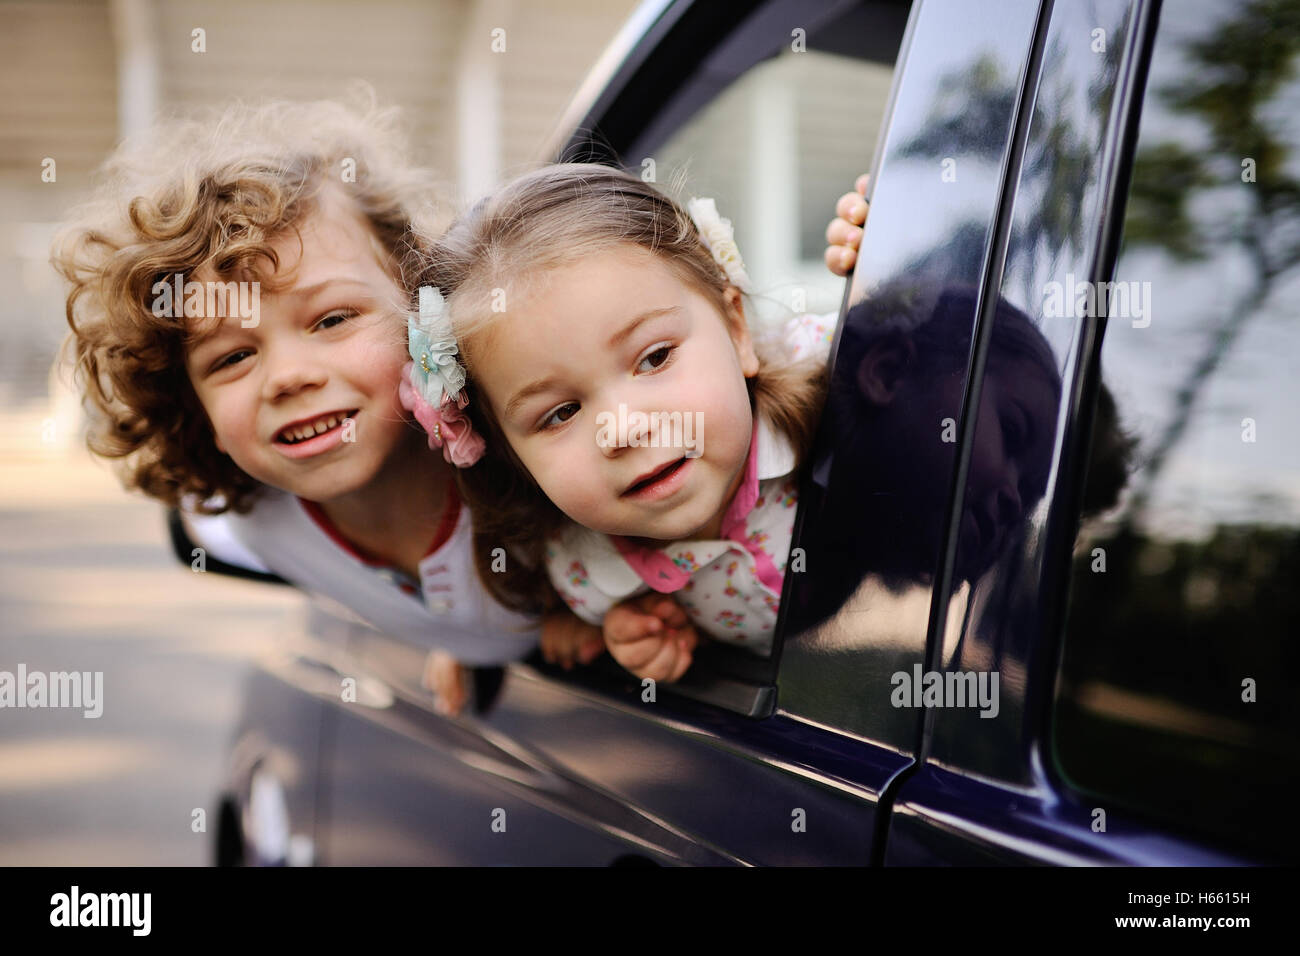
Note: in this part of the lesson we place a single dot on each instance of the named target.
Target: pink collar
(661, 573)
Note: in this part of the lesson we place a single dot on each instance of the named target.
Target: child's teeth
(321, 425)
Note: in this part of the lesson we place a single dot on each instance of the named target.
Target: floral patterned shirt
(730, 587)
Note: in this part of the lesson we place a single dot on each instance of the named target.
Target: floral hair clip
(433, 383)
(720, 239)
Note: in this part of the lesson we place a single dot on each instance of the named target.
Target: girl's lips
(669, 481)
(317, 444)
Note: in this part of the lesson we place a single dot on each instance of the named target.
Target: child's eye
(234, 358)
(557, 417)
(334, 318)
(657, 359)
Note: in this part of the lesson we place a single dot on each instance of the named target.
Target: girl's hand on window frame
(844, 233)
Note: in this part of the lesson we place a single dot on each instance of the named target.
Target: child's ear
(883, 368)
(739, 331)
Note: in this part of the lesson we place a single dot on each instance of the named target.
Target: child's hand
(566, 638)
(844, 233)
(449, 681)
(651, 636)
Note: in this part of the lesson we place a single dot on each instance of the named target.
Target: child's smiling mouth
(311, 436)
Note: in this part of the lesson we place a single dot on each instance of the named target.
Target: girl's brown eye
(663, 353)
(558, 417)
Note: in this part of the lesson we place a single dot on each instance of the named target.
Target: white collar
(775, 455)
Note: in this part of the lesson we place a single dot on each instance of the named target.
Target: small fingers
(689, 637)
(670, 613)
(840, 259)
(635, 656)
(451, 703)
(591, 649)
(862, 183)
(852, 208)
(630, 626)
(557, 651)
(449, 681)
(664, 664)
(843, 233)
(683, 663)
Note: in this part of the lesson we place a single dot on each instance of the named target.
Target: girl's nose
(622, 429)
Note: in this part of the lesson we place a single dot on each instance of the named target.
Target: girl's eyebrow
(527, 392)
(631, 327)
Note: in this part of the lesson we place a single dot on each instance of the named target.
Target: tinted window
(1004, 534)
(1180, 683)
(873, 512)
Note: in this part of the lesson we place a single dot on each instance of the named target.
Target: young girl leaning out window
(641, 445)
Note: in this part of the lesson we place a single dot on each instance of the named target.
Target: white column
(773, 204)
(135, 38)
(478, 98)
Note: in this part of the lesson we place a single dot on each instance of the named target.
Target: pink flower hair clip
(433, 383)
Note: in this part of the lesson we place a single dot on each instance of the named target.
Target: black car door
(1129, 650)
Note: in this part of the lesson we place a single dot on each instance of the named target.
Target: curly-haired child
(239, 330)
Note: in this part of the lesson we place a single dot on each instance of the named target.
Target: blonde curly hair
(211, 193)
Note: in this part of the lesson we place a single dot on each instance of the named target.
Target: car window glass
(992, 622)
(1179, 690)
(873, 511)
(775, 150)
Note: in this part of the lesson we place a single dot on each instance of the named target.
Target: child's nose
(622, 429)
(288, 374)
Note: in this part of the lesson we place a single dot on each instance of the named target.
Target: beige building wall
(74, 72)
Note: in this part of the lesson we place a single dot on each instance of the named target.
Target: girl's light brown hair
(210, 193)
(545, 218)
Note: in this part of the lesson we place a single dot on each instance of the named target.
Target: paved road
(87, 584)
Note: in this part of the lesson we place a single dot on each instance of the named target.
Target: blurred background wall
(79, 74)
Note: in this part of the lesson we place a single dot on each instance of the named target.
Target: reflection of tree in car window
(1179, 693)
